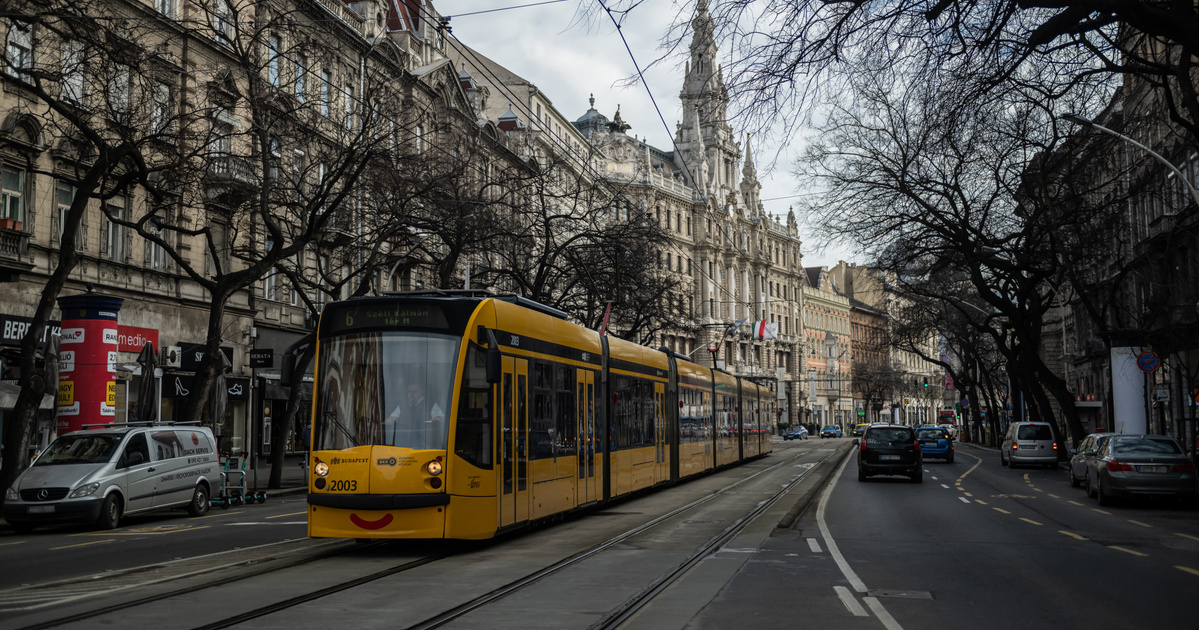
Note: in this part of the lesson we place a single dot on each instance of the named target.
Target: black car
(889, 449)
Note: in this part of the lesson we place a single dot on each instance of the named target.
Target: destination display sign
(374, 315)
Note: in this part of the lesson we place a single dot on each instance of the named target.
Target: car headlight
(11, 494)
(321, 469)
(83, 491)
(434, 467)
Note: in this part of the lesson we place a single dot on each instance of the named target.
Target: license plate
(928, 443)
(41, 509)
(1151, 469)
(888, 458)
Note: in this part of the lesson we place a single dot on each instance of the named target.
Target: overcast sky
(569, 60)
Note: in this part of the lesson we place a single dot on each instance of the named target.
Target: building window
(326, 86)
(272, 173)
(349, 109)
(12, 186)
(156, 257)
(72, 71)
(270, 285)
(161, 114)
(166, 7)
(65, 196)
(221, 20)
(273, 72)
(114, 243)
(420, 139)
(20, 50)
(301, 74)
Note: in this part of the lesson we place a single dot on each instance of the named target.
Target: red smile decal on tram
(365, 524)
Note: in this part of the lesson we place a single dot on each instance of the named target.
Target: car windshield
(1145, 446)
(831, 427)
(1034, 432)
(390, 388)
(80, 449)
(930, 434)
(889, 437)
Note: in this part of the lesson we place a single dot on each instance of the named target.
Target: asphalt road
(976, 545)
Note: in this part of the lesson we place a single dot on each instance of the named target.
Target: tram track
(612, 619)
(615, 617)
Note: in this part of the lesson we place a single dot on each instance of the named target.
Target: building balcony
(14, 249)
(229, 173)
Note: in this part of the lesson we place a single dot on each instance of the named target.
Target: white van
(1029, 444)
(99, 475)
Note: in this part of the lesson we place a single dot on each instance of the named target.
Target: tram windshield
(388, 388)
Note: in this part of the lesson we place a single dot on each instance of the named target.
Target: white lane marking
(814, 545)
(831, 544)
(965, 500)
(849, 601)
(934, 478)
(946, 486)
(888, 621)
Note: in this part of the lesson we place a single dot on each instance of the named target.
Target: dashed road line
(814, 545)
(850, 602)
(94, 542)
(1187, 569)
(1102, 511)
(1075, 503)
(1054, 496)
(980, 501)
(1139, 523)
(965, 500)
(1195, 538)
(888, 621)
(1071, 534)
(1029, 520)
(1126, 550)
(945, 486)
(1001, 510)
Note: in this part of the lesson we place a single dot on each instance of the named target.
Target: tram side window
(472, 441)
(564, 411)
(541, 422)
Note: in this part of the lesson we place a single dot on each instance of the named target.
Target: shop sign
(264, 358)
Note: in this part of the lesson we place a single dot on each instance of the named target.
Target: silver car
(1128, 465)
(1083, 457)
(1028, 444)
(100, 475)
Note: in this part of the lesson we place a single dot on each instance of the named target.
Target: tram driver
(416, 421)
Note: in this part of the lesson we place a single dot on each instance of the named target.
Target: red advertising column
(87, 361)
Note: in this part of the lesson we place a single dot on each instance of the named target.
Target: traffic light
(926, 381)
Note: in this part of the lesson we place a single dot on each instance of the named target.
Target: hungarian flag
(766, 330)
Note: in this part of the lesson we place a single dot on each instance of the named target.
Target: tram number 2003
(343, 486)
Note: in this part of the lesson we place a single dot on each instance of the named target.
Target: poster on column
(87, 373)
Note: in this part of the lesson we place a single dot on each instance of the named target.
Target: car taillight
(917, 443)
(1055, 446)
(1115, 466)
(1185, 468)
(863, 442)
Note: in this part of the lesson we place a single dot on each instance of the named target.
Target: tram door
(661, 465)
(585, 384)
(514, 487)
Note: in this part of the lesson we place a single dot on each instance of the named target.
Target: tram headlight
(321, 469)
(434, 467)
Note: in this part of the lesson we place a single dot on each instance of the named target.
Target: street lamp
(1079, 120)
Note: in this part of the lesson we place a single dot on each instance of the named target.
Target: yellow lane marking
(1027, 480)
(968, 494)
(1074, 503)
(1029, 520)
(1187, 569)
(292, 514)
(1135, 553)
(1054, 496)
(1101, 511)
(1139, 523)
(1001, 510)
(1071, 534)
(980, 501)
(1037, 489)
(976, 465)
(94, 542)
(1195, 538)
(21, 542)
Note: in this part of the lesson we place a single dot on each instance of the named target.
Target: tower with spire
(709, 139)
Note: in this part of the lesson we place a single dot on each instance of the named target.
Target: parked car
(1083, 457)
(888, 449)
(1127, 465)
(795, 433)
(935, 442)
(858, 429)
(830, 430)
(100, 475)
(1028, 444)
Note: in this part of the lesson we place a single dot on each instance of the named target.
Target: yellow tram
(466, 414)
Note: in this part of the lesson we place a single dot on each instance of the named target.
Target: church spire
(750, 172)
